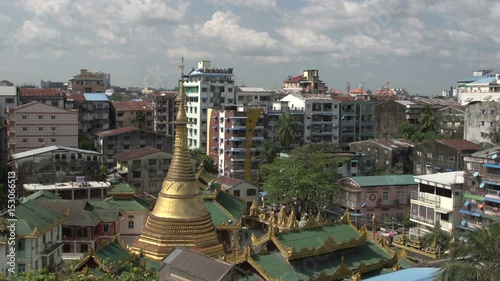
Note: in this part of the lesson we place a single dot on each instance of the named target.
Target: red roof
(75, 97)
(229, 181)
(116, 132)
(384, 92)
(343, 97)
(132, 105)
(460, 144)
(295, 79)
(39, 92)
(357, 91)
(136, 153)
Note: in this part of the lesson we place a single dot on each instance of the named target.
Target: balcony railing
(422, 219)
(426, 198)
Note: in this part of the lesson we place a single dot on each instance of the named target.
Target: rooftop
(365, 181)
(294, 79)
(196, 264)
(30, 216)
(391, 144)
(41, 150)
(131, 105)
(165, 94)
(75, 97)
(79, 213)
(136, 153)
(487, 153)
(409, 274)
(461, 145)
(483, 81)
(229, 181)
(96, 97)
(449, 178)
(253, 90)
(65, 185)
(8, 91)
(116, 132)
(39, 92)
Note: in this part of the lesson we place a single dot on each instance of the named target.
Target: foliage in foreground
(476, 258)
(308, 176)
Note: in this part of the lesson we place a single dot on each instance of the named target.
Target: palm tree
(494, 135)
(429, 120)
(285, 129)
(269, 149)
(476, 258)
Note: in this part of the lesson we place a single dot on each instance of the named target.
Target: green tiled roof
(30, 215)
(316, 237)
(107, 215)
(122, 188)
(276, 266)
(218, 214)
(114, 252)
(43, 193)
(234, 205)
(80, 211)
(475, 197)
(384, 180)
(134, 204)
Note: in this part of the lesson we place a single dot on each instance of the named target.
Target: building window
(9, 100)
(40, 140)
(418, 168)
(385, 196)
(136, 174)
(21, 267)
(130, 224)
(483, 112)
(236, 193)
(419, 153)
(53, 128)
(82, 232)
(429, 154)
(105, 227)
(482, 123)
(40, 116)
(492, 124)
(401, 195)
(25, 140)
(126, 147)
(21, 244)
(25, 129)
(66, 248)
(40, 128)
(53, 140)
(52, 117)
(251, 192)
(152, 161)
(492, 112)
(120, 114)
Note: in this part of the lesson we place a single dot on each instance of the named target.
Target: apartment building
(382, 196)
(163, 104)
(93, 112)
(273, 114)
(452, 120)
(53, 97)
(252, 97)
(36, 125)
(87, 82)
(437, 156)
(358, 164)
(109, 143)
(357, 122)
(206, 87)
(438, 198)
(134, 113)
(234, 138)
(482, 189)
(144, 168)
(38, 242)
(245, 190)
(484, 85)
(387, 153)
(55, 163)
(480, 119)
(8, 98)
(321, 117)
(308, 82)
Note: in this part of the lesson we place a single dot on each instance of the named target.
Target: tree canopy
(308, 176)
(398, 169)
(202, 159)
(475, 258)
(494, 135)
(410, 132)
(285, 129)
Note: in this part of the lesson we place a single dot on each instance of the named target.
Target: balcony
(417, 218)
(426, 198)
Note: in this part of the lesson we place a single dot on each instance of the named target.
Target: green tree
(140, 118)
(201, 159)
(386, 170)
(269, 149)
(116, 97)
(285, 129)
(410, 132)
(307, 175)
(475, 258)
(437, 237)
(494, 135)
(429, 119)
(85, 143)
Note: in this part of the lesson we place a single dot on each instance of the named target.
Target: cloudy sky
(423, 45)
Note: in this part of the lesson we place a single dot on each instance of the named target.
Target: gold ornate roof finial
(292, 220)
(282, 217)
(356, 276)
(320, 218)
(374, 227)
(254, 209)
(346, 218)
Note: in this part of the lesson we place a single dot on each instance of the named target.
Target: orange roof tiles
(39, 92)
(131, 105)
(460, 144)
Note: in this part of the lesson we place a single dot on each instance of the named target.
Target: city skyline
(422, 46)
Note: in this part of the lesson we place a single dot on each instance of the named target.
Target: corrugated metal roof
(116, 132)
(37, 92)
(409, 274)
(460, 144)
(50, 148)
(365, 181)
(483, 81)
(96, 97)
(137, 153)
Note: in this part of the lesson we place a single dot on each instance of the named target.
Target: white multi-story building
(483, 86)
(437, 199)
(321, 117)
(206, 87)
(254, 97)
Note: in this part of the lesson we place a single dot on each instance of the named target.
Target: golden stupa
(180, 217)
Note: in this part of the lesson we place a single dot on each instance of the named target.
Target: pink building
(36, 125)
(384, 196)
(308, 82)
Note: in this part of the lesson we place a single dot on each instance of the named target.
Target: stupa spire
(180, 217)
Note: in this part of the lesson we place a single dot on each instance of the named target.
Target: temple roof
(226, 210)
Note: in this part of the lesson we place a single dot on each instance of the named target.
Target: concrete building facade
(8, 98)
(357, 122)
(206, 87)
(387, 153)
(308, 83)
(93, 112)
(163, 104)
(87, 82)
(36, 125)
(480, 119)
(137, 114)
(53, 97)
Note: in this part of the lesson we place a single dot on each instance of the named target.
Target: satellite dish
(481, 185)
(494, 156)
(476, 174)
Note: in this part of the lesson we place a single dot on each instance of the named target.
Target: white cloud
(306, 40)
(259, 5)
(32, 32)
(106, 54)
(5, 19)
(179, 52)
(225, 31)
